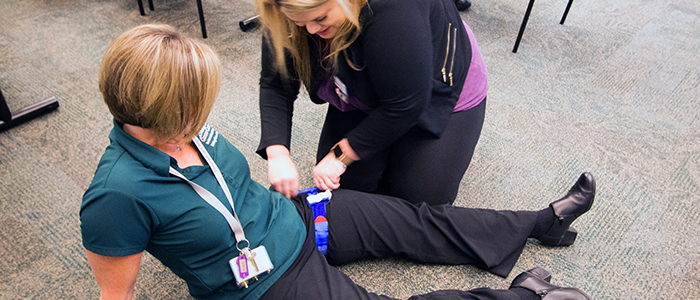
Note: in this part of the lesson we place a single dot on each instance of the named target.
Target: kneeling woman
(170, 185)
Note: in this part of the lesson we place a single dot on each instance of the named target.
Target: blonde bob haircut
(282, 34)
(156, 78)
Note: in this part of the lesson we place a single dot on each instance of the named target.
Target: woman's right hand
(281, 171)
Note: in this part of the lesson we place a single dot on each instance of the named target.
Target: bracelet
(340, 155)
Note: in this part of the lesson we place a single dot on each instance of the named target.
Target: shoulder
(396, 10)
(217, 143)
(117, 185)
(226, 155)
(121, 181)
(118, 169)
(390, 21)
(114, 223)
(115, 218)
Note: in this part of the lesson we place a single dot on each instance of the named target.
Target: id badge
(340, 89)
(251, 263)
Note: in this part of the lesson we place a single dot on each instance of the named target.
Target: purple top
(476, 85)
(334, 92)
(475, 88)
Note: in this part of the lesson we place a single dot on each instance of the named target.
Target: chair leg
(150, 4)
(566, 12)
(143, 13)
(11, 119)
(5, 113)
(522, 26)
(249, 23)
(201, 19)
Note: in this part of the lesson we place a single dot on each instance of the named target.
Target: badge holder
(251, 263)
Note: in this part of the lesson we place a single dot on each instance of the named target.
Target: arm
(398, 53)
(277, 98)
(116, 276)
(276, 107)
(281, 171)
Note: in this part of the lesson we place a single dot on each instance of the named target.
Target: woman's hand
(327, 172)
(281, 171)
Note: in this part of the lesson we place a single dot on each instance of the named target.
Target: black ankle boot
(577, 201)
(533, 280)
(463, 5)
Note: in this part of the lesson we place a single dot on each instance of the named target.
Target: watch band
(340, 155)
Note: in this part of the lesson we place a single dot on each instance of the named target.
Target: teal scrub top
(133, 205)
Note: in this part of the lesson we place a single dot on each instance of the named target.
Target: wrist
(341, 154)
(276, 151)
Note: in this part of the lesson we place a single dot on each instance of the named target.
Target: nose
(313, 28)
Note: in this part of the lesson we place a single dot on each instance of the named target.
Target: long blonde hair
(156, 78)
(283, 34)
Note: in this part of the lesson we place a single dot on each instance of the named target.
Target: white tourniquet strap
(231, 218)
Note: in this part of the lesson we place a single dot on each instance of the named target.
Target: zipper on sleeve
(447, 54)
(454, 52)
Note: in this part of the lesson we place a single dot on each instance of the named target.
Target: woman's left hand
(327, 173)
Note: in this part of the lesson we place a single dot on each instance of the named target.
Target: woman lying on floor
(170, 185)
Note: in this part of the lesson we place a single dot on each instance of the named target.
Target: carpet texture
(614, 91)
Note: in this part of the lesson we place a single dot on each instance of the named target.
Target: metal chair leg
(5, 113)
(566, 12)
(201, 19)
(141, 10)
(11, 119)
(199, 8)
(249, 23)
(143, 13)
(522, 26)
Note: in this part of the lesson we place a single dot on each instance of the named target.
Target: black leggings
(371, 226)
(418, 167)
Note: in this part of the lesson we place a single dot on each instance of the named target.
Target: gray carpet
(614, 91)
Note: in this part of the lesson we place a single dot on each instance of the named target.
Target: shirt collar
(149, 156)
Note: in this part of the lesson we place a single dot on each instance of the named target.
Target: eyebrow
(319, 19)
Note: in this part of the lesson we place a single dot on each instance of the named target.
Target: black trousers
(365, 225)
(418, 167)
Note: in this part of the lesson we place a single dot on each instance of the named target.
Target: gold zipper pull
(447, 53)
(454, 52)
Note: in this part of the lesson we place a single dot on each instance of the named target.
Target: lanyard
(232, 219)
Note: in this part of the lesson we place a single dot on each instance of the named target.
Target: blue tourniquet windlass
(317, 202)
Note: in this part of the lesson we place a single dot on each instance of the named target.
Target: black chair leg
(201, 19)
(141, 10)
(249, 23)
(5, 113)
(522, 26)
(11, 119)
(199, 8)
(566, 12)
(143, 13)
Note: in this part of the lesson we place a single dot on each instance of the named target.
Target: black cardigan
(402, 49)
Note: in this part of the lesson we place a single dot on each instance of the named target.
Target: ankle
(545, 219)
(524, 293)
